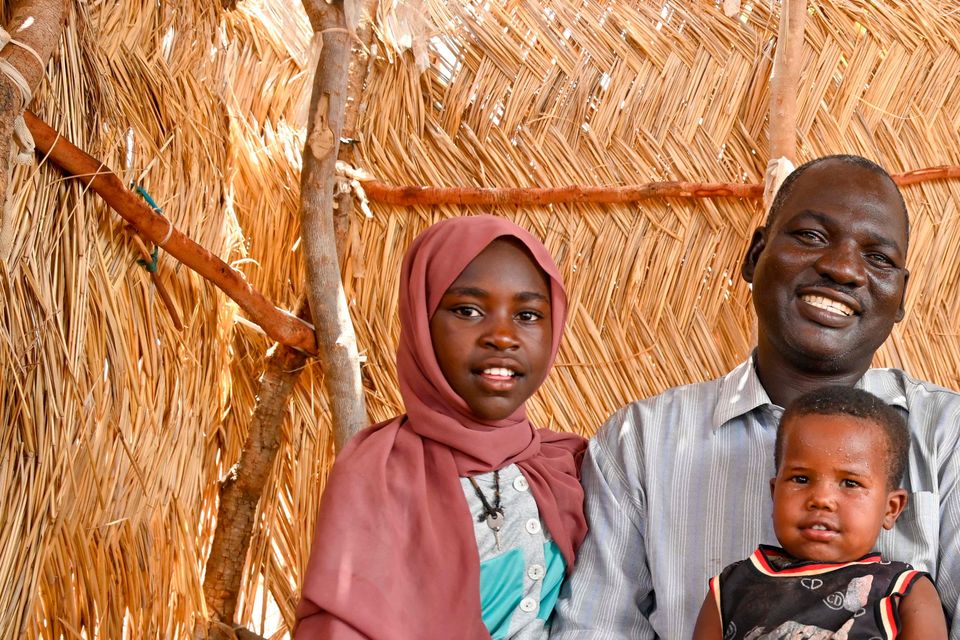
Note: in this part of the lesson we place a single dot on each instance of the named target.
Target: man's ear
(896, 501)
(903, 297)
(757, 243)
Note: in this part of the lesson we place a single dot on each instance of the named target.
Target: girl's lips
(497, 383)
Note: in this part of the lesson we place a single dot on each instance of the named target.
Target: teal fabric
(552, 579)
(501, 590)
(501, 587)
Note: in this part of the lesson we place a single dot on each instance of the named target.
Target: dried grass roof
(115, 427)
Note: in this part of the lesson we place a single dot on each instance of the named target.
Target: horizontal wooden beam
(413, 195)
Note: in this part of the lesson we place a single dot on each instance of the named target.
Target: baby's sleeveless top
(773, 595)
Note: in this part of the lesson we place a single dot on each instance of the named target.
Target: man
(677, 486)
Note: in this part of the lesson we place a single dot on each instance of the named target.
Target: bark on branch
(336, 341)
(241, 492)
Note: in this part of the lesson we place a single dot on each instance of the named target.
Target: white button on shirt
(520, 483)
(533, 526)
(528, 605)
(535, 571)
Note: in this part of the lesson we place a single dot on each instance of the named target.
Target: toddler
(840, 454)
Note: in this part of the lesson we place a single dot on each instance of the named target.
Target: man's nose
(844, 264)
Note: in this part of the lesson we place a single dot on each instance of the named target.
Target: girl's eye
(529, 316)
(466, 311)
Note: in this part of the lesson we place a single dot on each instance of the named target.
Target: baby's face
(830, 495)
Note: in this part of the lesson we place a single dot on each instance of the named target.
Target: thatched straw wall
(115, 427)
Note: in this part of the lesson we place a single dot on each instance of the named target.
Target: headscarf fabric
(394, 555)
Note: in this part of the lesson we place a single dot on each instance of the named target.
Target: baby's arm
(921, 615)
(708, 622)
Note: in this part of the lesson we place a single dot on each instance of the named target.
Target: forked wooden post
(336, 340)
(242, 490)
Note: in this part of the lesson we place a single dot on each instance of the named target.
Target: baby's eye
(466, 311)
(851, 484)
(798, 479)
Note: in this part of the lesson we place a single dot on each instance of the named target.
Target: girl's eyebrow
(532, 296)
(473, 292)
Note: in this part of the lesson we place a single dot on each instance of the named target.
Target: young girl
(459, 519)
(839, 455)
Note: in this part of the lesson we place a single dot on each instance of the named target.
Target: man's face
(829, 272)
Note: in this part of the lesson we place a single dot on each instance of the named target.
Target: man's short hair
(857, 403)
(786, 188)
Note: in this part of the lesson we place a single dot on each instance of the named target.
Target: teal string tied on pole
(151, 265)
(146, 196)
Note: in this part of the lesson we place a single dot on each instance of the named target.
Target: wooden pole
(573, 194)
(336, 341)
(36, 25)
(241, 491)
(281, 326)
(784, 80)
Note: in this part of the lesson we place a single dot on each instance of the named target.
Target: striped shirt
(678, 486)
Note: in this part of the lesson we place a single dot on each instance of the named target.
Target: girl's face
(492, 331)
(831, 493)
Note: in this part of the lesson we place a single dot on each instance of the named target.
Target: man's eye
(880, 259)
(808, 236)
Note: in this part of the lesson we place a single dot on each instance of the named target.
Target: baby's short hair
(847, 401)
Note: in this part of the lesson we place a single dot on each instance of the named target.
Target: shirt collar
(741, 391)
(884, 385)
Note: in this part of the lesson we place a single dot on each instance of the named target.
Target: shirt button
(533, 526)
(520, 483)
(535, 571)
(528, 605)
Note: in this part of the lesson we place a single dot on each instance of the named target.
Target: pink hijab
(394, 554)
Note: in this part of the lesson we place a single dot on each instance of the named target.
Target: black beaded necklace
(493, 515)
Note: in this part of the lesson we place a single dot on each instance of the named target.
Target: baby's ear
(773, 485)
(896, 501)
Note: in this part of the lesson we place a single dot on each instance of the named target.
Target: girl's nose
(501, 335)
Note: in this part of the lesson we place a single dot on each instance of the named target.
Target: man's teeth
(829, 305)
(499, 371)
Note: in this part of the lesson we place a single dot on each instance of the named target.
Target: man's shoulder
(694, 400)
(899, 387)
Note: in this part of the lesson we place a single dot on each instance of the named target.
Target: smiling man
(677, 486)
